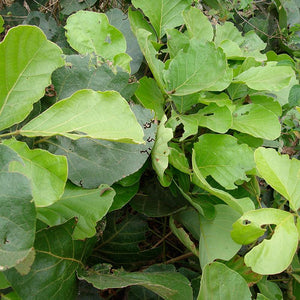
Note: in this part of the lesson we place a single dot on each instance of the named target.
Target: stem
(17, 132)
(183, 256)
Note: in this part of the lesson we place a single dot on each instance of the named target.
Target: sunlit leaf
(27, 60)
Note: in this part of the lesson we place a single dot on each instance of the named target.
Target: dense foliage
(149, 149)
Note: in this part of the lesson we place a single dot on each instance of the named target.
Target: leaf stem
(17, 132)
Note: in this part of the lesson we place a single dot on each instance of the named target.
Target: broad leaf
(198, 25)
(31, 60)
(202, 65)
(169, 285)
(222, 283)
(150, 96)
(215, 239)
(281, 173)
(1, 24)
(120, 20)
(240, 205)
(177, 41)
(93, 162)
(87, 206)
(270, 78)
(52, 275)
(90, 32)
(7, 156)
(270, 289)
(69, 6)
(122, 239)
(160, 151)
(178, 159)
(17, 219)
(102, 115)
(82, 72)
(270, 256)
(221, 157)
(47, 172)
(256, 120)
(163, 14)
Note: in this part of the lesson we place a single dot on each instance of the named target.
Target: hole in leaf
(209, 114)
(246, 222)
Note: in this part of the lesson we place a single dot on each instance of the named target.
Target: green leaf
(156, 66)
(199, 67)
(47, 172)
(198, 25)
(82, 72)
(100, 115)
(256, 120)
(270, 77)
(169, 285)
(120, 20)
(150, 96)
(222, 283)
(240, 205)
(177, 41)
(7, 156)
(228, 32)
(52, 275)
(87, 206)
(281, 173)
(17, 219)
(163, 14)
(160, 151)
(1, 24)
(3, 282)
(69, 6)
(267, 102)
(221, 157)
(270, 289)
(93, 162)
(90, 32)
(294, 96)
(178, 159)
(270, 256)
(215, 239)
(122, 238)
(31, 59)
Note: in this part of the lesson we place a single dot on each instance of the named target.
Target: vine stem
(10, 134)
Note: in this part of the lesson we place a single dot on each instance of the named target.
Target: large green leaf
(27, 60)
(93, 162)
(270, 256)
(198, 25)
(17, 219)
(281, 173)
(221, 157)
(82, 72)
(90, 32)
(240, 205)
(256, 120)
(122, 239)
(52, 275)
(215, 239)
(163, 14)
(270, 78)
(88, 206)
(169, 285)
(201, 66)
(102, 115)
(160, 152)
(220, 282)
(47, 172)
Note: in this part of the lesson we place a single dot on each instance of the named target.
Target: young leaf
(31, 60)
(195, 69)
(215, 239)
(53, 272)
(270, 78)
(281, 173)
(256, 120)
(90, 32)
(198, 25)
(163, 14)
(160, 151)
(93, 162)
(17, 219)
(270, 256)
(47, 172)
(221, 157)
(99, 115)
(223, 283)
(240, 205)
(88, 206)
(169, 285)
